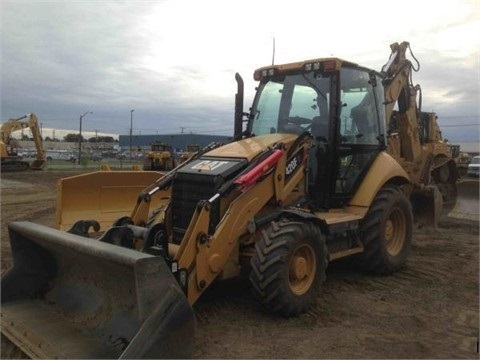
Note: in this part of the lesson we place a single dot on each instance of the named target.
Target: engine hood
(251, 147)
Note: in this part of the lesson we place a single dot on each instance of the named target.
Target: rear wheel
(288, 267)
(387, 232)
(445, 178)
(11, 351)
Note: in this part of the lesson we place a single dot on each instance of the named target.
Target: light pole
(131, 128)
(80, 136)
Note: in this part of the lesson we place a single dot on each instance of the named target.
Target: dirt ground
(428, 310)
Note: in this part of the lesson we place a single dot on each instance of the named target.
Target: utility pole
(131, 128)
(96, 139)
(80, 136)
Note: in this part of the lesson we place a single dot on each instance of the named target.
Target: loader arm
(204, 255)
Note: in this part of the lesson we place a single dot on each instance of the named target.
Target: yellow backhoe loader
(333, 160)
(12, 162)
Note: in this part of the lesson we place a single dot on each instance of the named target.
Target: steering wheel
(295, 124)
(298, 120)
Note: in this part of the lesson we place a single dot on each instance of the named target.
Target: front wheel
(288, 267)
(386, 232)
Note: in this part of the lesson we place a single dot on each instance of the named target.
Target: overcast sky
(174, 61)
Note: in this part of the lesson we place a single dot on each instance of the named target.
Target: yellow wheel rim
(302, 269)
(395, 230)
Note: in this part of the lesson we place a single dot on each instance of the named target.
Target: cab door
(361, 130)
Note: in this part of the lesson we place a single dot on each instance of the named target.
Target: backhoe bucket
(69, 296)
(427, 206)
(38, 164)
(467, 206)
(103, 195)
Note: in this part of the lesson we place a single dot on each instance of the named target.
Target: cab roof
(325, 64)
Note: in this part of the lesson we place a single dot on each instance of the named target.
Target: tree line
(102, 139)
(76, 137)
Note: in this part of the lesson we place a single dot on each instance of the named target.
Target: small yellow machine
(322, 168)
(190, 150)
(11, 162)
(461, 158)
(159, 157)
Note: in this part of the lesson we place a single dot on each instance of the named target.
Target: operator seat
(356, 160)
(364, 118)
(320, 127)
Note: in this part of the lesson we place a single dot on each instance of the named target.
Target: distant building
(178, 142)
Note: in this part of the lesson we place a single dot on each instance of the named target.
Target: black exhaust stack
(238, 124)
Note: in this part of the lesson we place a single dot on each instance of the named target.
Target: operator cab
(340, 104)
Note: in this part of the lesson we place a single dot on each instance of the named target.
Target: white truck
(60, 155)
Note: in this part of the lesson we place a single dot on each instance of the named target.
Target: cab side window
(359, 121)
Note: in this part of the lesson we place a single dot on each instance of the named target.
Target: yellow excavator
(333, 160)
(9, 160)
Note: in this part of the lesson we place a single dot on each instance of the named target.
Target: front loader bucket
(467, 205)
(103, 195)
(68, 296)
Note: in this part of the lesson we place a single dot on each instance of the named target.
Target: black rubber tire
(386, 232)
(288, 267)
(10, 351)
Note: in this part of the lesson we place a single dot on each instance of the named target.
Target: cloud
(174, 61)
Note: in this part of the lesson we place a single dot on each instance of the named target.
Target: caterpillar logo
(208, 165)
(293, 163)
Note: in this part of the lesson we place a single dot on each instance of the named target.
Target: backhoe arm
(400, 90)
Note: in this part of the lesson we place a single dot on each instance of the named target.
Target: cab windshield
(291, 104)
(295, 103)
